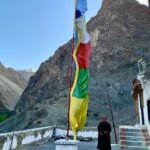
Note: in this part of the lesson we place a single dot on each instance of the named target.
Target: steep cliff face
(51, 77)
(120, 36)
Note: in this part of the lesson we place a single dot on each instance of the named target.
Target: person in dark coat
(104, 130)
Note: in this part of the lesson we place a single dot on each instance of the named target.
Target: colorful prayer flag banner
(79, 93)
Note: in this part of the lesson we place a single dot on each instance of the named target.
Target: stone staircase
(134, 138)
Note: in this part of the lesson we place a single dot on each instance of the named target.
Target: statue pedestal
(66, 145)
(115, 147)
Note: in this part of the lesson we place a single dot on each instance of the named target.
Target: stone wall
(34, 135)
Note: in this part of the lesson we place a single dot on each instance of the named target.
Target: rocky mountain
(9, 94)
(120, 36)
(12, 84)
(26, 74)
(13, 76)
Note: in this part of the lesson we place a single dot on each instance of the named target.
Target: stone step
(135, 138)
(132, 130)
(134, 134)
(122, 147)
(134, 143)
(133, 127)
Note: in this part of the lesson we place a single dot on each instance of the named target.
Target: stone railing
(12, 140)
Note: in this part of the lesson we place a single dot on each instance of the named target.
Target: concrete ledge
(67, 144)
(24, 137)
(115, 147)
(132, 127)
(34, 135)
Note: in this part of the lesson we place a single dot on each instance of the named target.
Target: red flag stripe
(83, 55)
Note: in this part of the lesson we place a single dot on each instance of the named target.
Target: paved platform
(51, 146)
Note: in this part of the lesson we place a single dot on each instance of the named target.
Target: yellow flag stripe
(75, 59)
(78, 113)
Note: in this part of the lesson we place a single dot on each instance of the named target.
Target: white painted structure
(145, 82)
(67, 145)
(24, 137)
(146, 97)
(115, 147)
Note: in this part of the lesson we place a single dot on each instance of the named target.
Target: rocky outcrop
(120, 36)
(51, 77)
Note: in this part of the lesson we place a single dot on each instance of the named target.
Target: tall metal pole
(149, 6)
(112, 116)
(71, 74)
(70, 86)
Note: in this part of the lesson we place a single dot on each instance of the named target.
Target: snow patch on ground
(28, 139)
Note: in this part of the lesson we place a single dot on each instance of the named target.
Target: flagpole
(111, 112)
(149, 6)
(70, 75)
(70, 86)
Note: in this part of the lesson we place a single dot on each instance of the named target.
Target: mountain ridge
(12, 84)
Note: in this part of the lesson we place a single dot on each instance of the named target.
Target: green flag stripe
(81, 88)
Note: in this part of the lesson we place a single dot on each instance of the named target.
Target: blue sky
(32, 30)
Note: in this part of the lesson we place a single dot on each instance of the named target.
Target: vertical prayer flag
(79, 93)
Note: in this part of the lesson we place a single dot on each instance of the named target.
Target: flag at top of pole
(79, 92)
(81, 7)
